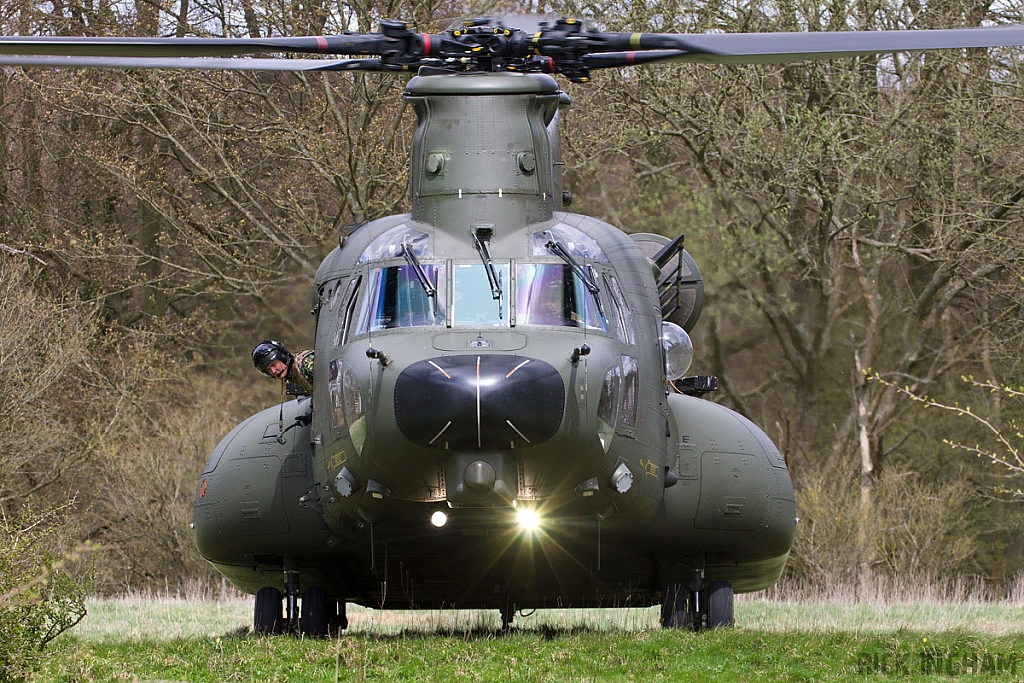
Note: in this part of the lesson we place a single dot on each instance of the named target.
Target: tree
(158, 223)
(46, 350)
(43, 585)
(848, 213)
(1001, 449)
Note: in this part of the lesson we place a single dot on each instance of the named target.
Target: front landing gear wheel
(315, 620)
(267, 618)
(675, 607)
(709, 607)
(508, 613)
(337, 616)
(720, 604)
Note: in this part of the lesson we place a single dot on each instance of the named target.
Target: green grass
(572, 655)
(167, 639)
(976, 617)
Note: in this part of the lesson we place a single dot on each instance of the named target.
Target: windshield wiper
(559, 250)
(428, 287)
(556, 248)
(482, 238)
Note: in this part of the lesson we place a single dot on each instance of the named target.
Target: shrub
(43, 584)
(915, 529)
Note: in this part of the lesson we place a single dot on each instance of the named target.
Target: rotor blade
(355, 44)
(610, 60)
(567, 48)
(211, 63)
(779, 48)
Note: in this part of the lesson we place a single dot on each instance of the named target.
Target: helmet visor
(264, 355)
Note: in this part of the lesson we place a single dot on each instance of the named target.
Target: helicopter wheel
(675, 607)
(337, 616)
(720, 604)
(508, 613)
(315, 619)
(711, 607)
(267, 617)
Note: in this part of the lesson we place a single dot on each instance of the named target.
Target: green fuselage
(487, 354)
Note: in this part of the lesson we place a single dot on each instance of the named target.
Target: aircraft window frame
(335, 295)
(608, 405)
(630, 391)
(389, 244)
(577, 243)
(571, 313)
(405, 277)
(354, 408)
(343, 332)
(335, 390)
(623, 316)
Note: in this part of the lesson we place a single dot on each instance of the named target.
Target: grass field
(181, 639)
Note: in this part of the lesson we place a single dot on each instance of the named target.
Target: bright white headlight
(528, 519)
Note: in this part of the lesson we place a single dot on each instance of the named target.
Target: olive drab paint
(487, 353)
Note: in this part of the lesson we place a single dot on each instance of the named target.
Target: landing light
(438, 519)
(528, 519)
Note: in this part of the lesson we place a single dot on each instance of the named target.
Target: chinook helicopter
(501, 415)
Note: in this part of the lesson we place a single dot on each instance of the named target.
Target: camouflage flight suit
(301, 371)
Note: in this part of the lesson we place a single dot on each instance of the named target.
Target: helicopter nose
(479, 402)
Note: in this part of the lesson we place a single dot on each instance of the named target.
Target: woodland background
(857, 223)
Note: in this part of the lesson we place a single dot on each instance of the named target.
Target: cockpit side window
(396, 297)
(630, 389)
(623, 316)
(552, 294)
(346, 316)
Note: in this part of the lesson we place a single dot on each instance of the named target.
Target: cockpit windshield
(396, 297)
(577, 244)
(474, 302)
(391, 243)
(553, 294)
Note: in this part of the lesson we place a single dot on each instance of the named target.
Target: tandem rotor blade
(355, 44)
(611, 60)
(210, 63)
(780, 48)
(559, 47)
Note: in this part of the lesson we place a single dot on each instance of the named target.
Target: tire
(675, 609)
(337, 616)
(266, 618)
(508, 613)
(720, 604)
(314, 620)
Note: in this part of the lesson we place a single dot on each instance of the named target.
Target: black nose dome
(479, 402)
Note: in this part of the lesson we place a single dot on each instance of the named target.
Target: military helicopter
(501, 415)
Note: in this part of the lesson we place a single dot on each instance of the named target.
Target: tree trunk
(865, 541)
